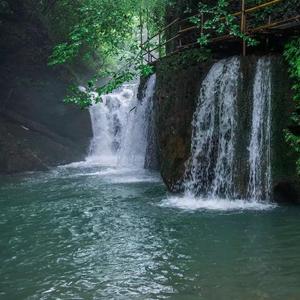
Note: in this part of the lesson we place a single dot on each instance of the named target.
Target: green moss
(292, 56)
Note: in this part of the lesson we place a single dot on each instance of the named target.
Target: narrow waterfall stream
(120, 126)
(133, 147)
(260, 142)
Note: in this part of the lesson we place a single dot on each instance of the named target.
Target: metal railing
(185, 37)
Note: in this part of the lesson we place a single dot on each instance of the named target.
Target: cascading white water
(120, 125)
(214, 125)
(134, 140)
(211, 176)
(260, 142)
(109, 119)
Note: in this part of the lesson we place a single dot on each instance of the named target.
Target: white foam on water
(133, 179)
(101, 160)
(110, 174)
(191, 203)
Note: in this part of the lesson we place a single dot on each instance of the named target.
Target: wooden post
(180, 41)
(148, 51)
(148, 36)
(159, 46)
(202, 24)
(141, 35)
(243, 26)
(244, 42)
(267, 39)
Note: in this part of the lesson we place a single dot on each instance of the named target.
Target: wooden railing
(155, 47)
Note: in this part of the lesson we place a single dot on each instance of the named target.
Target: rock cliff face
(177, 91)
(37, 129)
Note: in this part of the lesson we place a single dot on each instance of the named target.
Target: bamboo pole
(274, 25)
(159, 46)
(180, 41)
(202, 24)
(147, 29)
(141, 35)
(264, 5)
(268, 39)
(243, 26)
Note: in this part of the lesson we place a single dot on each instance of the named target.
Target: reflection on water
(92, 232)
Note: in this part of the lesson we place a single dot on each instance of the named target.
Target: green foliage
(85, 97)
(146, 70)
(294, 141)
(105, 26)
(116, 81)
(81, 97)
(110, 29)
(292, 56)
(220, 22)
(99, 27)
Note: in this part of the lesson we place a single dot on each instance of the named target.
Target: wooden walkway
(181, 34)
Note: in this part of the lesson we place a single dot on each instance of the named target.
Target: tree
(109, 28)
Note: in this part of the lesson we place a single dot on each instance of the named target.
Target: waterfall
(134, 141)
(260, 142)
(120, 125)
(214, 126)
(108, 120)
(212, 171)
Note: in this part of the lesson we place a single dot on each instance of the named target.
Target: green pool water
(92, 232)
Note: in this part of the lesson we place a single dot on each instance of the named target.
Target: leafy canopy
(220, 22)
(107, 31)
(107, 27)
